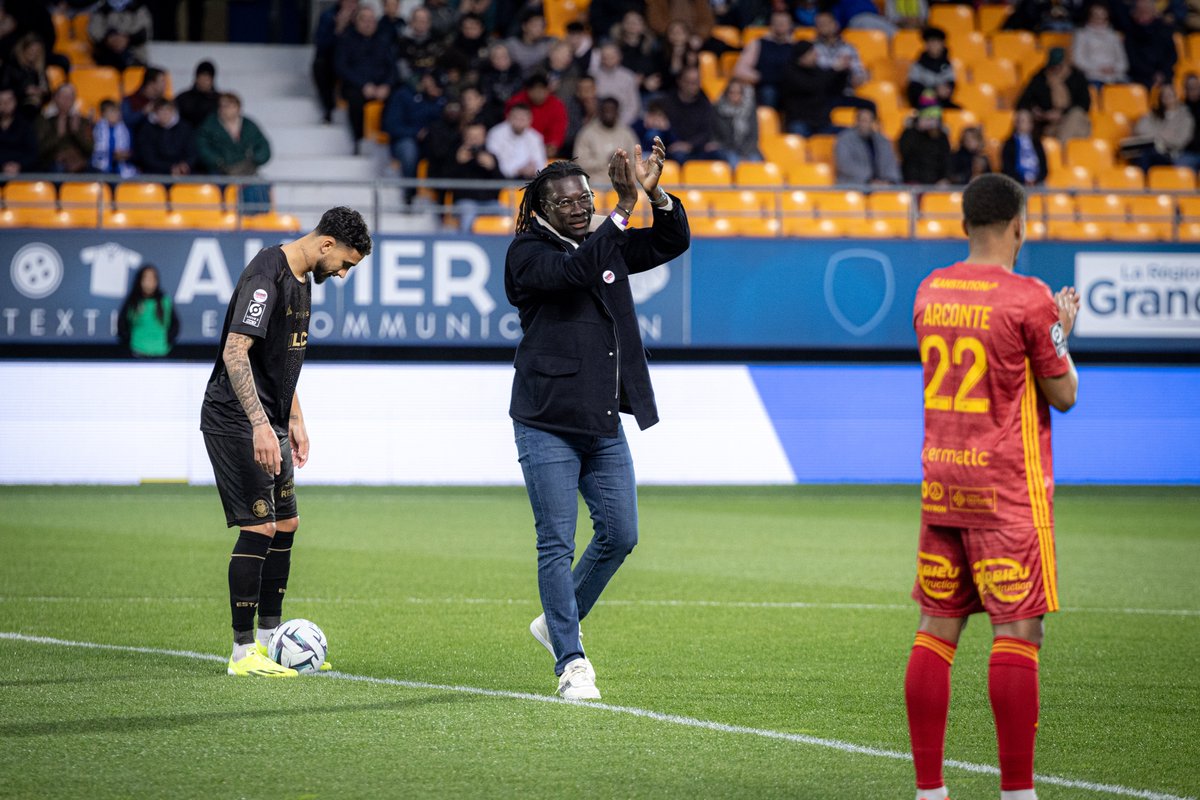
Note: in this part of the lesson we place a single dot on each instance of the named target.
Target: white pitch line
(502, 601)
(672, 719)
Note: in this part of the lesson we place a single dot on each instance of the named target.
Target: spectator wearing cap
(924, 146)
(549, 113)
(1098, 51)
(763, 61)
(530, 47)
(165, 144)
(1059, 99)
(407, 117)
(932, 71)
(864, 155)
(1023, 158)
(613, 79)
(200, 101)
(363, 63)
(807, 92)
(1150, 46)
(600, 138)
(518, 148)
(692, 119)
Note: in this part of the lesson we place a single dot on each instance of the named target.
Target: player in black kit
(253, 427)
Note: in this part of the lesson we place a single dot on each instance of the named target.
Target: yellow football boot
(257, 665)
(262, 648)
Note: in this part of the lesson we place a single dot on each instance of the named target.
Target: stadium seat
(841, 205)
(85, 200)
(706, 173)
(990, 18)
(1129, 99)
(143, 204)
(274, 221)
(843, 116)
(970, 47)
(758, 173)
(55, 77)
(1054, 154)
(1107, 209)
(712, 226)
(78, 53)
(195, 196)
(882, 93)
(939, 229)
(768, 123)
(892, 208)
(820, 148)
(94, 85)
(752, 32)
(796, 203)
(760, 227)
(62, 25)
(1111, 127)
(1035, 230)
(953, 19)
(1171, 179)
(79, 27)
(710, 74)
(1020, 47)
(1053, 207)
(1077, 231)
(493, 225)
(30, 202)
(809, 175)
(827, 228)
(695, 200)
(1070, 177)
(561, 12)
(740, 203)
(907, 45)
(889, 70)
(1095, 154)
(943, 205)
(670, 173)
(1189, 208)
(1001, 75)
(1124, 177)
(729, 34)
(871, 45)
(1156, 209)
(980, 98)
(1051, 39)
(727, 63)
(373, 122)
(116, 219)
(954, 120)
(997, 124)
(785, 151)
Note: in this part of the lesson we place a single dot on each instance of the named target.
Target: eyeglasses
(583, 201)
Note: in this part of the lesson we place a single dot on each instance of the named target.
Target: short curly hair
(346, 226)
(992, 199)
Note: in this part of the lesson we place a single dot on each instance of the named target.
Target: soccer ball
(298, 644)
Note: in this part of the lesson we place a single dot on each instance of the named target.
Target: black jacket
(581, 358)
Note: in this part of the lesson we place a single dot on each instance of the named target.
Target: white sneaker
(542, 634)
(578, 681)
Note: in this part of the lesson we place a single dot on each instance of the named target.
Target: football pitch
(753, 645)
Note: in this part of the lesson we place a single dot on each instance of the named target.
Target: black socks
(245, 577)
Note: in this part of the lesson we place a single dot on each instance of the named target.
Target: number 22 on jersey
(965, 348)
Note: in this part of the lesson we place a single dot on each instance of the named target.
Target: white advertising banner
(1136, 295)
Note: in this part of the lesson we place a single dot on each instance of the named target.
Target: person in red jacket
(549, 113)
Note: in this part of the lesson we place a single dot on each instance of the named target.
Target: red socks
(1013, 689)
(927, 695)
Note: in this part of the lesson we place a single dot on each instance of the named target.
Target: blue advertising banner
(67, 287)
(64, 287)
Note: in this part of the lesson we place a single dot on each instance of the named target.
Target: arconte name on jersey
(957, 315)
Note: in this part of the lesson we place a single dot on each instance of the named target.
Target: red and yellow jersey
(985, 336)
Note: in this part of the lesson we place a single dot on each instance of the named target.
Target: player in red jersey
(994, 350)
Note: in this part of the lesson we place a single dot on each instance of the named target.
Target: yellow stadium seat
(1157, 208)
(1001, 75)
(712, 226)
(991, 17)
(695, 200)
(839, 204)
(758, 173)
(1112, 128)
(1123, 177)
(890, 204)
(760, 227)
(1129, 99)
(32, 203)
(1035, 230)
(1095, 154)
(810, 175)
(752, 32)
(843, 116)
(85, 200)
(1188, 231)
(882, 93)
(1070, 177)
(997, 124)
(785, 151)
(729, 34)
(980, 98)
(939, 229)
(1017, 46)
(706, 173)
(1189, 208)
(871, 45)
(55, 77)
(62, 25)
(561, 12)
(373, 122)
(796, 203)
(1171, 179)
(889, 70)
(116, 219)
(970, 48)
(709, 66)
(1104, 208)
(955, 120)
(827, 228)
(945, 205)
(274, 221)
(79, 27)
(193, 196)
(953, 19)
(821, 148)
(907, 45)
(143, 204)
(1054, 154)
(727, 62)
(768, 123)
(1053, 207)
(494, 226)
(1077, 231)
(739, 202)
(94, 85)
(1051, 39)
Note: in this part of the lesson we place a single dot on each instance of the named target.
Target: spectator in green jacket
(147, 324)
(231, 144)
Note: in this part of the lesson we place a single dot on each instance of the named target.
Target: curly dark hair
(535, 190)
(346, 226)
(991, 199)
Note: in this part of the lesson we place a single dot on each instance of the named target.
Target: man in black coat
(165, 144)
(578, 366)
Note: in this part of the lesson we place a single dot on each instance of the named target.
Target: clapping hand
(621, 176)
(649, 169)
(1067, 300)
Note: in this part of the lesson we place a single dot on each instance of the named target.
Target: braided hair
(535, 189)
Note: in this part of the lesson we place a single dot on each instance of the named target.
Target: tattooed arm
(237, 363)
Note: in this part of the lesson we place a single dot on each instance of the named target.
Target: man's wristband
(627, 214)
(660, 199)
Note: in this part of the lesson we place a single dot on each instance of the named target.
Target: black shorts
(251, 496)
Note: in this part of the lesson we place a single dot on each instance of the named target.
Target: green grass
(437, 586)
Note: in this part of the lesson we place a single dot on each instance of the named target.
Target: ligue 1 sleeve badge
(609, 276)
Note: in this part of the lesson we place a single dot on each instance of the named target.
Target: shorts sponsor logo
(971, 457)
(260, 295)
(938, 578)
(254, 313)
(1005, 579)
(1060, 341)
(932, 490)
(289, 489)
(260, 508)
(973, 499)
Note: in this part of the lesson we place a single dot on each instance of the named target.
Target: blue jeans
(557, 466)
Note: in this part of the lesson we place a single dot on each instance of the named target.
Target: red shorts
(1009, 573)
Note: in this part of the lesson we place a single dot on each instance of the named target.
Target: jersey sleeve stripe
(1036, 482)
